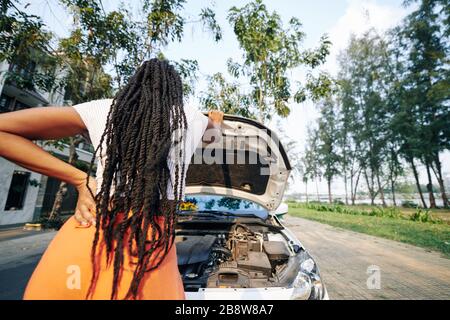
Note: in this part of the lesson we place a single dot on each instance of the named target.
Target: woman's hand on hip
(85, 210)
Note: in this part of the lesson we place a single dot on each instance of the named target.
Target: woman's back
(95, 113)
(144, 139)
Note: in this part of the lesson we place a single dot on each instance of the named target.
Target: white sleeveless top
(94, 115)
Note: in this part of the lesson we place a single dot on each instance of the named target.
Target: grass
(443, 214)
(431, 235)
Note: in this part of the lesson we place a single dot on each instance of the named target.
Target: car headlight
(317, 290)
(308, 265)
(308, 284)
(302, 287)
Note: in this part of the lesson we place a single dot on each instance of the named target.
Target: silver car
(231, 242)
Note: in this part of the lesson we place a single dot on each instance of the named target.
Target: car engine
(240, 256)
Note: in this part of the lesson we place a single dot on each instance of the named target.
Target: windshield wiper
(215, 213)
(203, 213)
(228, 214)
(224, 213)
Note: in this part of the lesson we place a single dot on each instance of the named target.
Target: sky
(337, 18)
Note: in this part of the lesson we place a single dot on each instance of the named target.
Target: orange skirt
(65, 272)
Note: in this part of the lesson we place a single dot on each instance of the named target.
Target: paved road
(18, 258)
(16, 233)
(406, 272)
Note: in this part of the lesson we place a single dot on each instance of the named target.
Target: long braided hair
(146, 122)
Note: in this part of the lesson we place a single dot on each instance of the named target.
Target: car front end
(235, 254)
(230, 241)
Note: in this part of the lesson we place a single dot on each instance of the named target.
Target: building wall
(3, 68)
(39, 199)
(27, 212)
(35, 195)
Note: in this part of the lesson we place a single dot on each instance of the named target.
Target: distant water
(365, 200)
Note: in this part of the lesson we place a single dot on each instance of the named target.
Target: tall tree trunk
(62, 189)
(345, 185)
(60, 194)
(416, 177)
(330, 198)
(380, 188)
(438, 174)
(317, 191)
(370, 188)
(354, 192)
(430, 187)
(306, 187)
(352, 197)
(393, 192)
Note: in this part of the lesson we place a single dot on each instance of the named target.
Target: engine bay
(236, 253)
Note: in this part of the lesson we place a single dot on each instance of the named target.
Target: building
(26, 195)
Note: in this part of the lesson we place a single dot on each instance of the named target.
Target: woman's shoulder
(94, 115)
(193, 113)
(93, 105)
(93, 109)
(97, 102)
(107, 101)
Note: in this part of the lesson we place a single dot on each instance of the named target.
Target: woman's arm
(18, 128)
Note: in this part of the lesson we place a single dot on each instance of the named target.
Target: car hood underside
(248, 163)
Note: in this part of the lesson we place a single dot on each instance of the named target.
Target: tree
(422, 45)
(291, 148)
(310, 161)
(125, 41)
(348, 129)
(24, 45)
(363, 95)
(225, 96)
(269, 51)
(328, 157)
(403, 125)
(395, 168)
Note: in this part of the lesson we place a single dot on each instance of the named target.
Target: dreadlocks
(145, 123)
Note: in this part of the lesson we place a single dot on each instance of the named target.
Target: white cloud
(359, 17)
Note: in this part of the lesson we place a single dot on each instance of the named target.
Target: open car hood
(248, 163)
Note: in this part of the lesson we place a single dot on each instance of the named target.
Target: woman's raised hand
(216, 116)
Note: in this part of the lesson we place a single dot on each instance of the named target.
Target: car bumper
(244, 294)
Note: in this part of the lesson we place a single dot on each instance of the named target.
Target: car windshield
(224, 205)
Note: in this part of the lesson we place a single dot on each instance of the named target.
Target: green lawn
(426, 235)
(443, 214)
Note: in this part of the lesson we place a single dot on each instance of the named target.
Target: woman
(119, 244)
